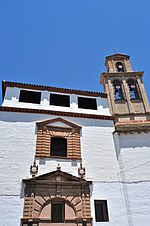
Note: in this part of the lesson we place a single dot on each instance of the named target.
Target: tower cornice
(117, 75)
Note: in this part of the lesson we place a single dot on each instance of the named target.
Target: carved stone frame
(68, 130)
(57, 185)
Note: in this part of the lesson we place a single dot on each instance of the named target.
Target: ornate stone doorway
(57, 198)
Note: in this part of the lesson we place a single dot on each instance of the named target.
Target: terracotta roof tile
(50, 88)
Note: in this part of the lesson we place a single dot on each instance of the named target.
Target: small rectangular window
(58, 146)
(60, 100)
(57, 212)
(30, 97)
(87, 103)
(101, 210)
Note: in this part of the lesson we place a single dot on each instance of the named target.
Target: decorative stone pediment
(58, 122)
(56, 177)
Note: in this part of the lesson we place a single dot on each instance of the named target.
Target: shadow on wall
(21, 117)
(135, 140)
(131, 141)
(22, 190)
(54, 161)
(103, 102)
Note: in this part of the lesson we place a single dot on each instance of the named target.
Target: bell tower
(127, 97)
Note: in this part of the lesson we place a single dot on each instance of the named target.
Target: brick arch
(38, 208)
(66, 201)
(74, 203)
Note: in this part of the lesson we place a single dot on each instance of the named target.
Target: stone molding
(105, 75)
(132, 127)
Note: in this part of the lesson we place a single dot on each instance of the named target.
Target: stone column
(144, 96)
(126, 88)
(110, 91)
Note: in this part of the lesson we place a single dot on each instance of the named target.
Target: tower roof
(117, 56)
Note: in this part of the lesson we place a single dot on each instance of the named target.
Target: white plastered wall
(17, 150)
(12, 100)
(119, 168)
(133, 151)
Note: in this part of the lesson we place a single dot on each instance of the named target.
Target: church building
(73, 157)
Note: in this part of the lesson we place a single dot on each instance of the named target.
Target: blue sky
(63, 43)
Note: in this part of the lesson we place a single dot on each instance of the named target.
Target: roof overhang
(6, 84)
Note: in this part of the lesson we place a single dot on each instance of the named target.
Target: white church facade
(74, 157)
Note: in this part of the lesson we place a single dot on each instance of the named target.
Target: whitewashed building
(73, 157)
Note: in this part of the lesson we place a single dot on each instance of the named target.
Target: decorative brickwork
(59, 128)
(57, 186)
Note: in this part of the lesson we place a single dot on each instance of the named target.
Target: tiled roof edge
(50, 88)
